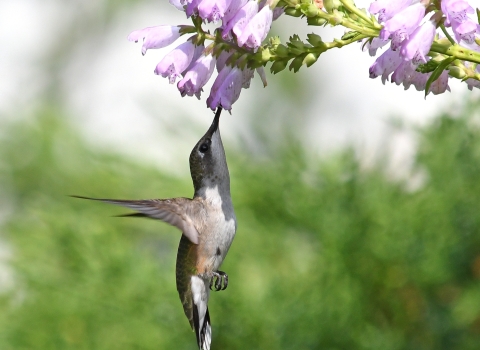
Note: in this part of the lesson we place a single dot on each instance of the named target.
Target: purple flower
(155, 37)
(403, 74)
(465, 31)
(197, 76)
(418, 45)
(192, 7)
(386, 9)
(213, 10)
(179, 4)
(385, 64)
(257, 29)
(400, 26)
(240, 20)
(440, 85)
(222, 58)
(226, 88)
(232, 10)
(176, 61)
(455, 10)
(373, 45)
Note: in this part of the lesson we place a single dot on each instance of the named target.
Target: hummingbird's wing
(173, 211)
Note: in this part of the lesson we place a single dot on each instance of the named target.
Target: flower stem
(457, 51)
(442, 27)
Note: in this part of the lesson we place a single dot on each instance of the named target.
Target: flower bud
(456, 72)
(294, 12)
(310, 59)
(316, 21)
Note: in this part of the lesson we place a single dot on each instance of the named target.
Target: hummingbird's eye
(205, 146)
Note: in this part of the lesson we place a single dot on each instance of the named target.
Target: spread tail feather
(204, 335)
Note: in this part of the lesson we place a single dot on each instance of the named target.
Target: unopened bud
(293, 12)
(316, 21)
(309, 10)
(456, 72)
(331, 5)
(310, 59)
(314, 39)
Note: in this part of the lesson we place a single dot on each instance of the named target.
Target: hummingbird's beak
(214, 127)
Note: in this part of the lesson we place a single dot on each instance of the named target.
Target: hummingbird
(208, 225)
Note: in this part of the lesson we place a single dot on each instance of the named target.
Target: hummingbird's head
(208, 165)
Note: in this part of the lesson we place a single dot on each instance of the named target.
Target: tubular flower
(418, 45)
(386, 9)
(213, 10)
(385, 64)
(194, 80)
(244, 22)
(175, 62)
(411, 34)
(257, 29)
(226, 88)
(155, 37)
(400, 26)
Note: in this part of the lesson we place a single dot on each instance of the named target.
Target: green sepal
(281, 51)
(296, 63)
(309, 9)
(428, 67)
(314, 39)
(350, 35)
(278, 66)
(437, 72)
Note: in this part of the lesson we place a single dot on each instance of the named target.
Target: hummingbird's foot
(221, 280)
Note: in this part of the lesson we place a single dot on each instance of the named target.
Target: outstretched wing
(173, 211)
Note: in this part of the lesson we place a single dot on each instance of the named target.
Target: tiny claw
(225, 282)
(220, 279)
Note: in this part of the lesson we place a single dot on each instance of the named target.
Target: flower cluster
(245, 24)
(411, 29)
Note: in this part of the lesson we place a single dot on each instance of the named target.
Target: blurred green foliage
(327, 255)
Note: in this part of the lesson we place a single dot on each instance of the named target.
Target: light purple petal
(385, 64)
(400, 26)
(247, 75)
(213, 10)
(386, 9)
(240, 20)
(418, 45)
(440, 85)
(175, 62)
(221, 59)
(232, 10)
(277, 12)
(192, 8)
(465, 31)
(197, 76)
(179, 4)
(196, 55)
(155, 37)
(257, 29)
(226, 91)
(455, 10)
